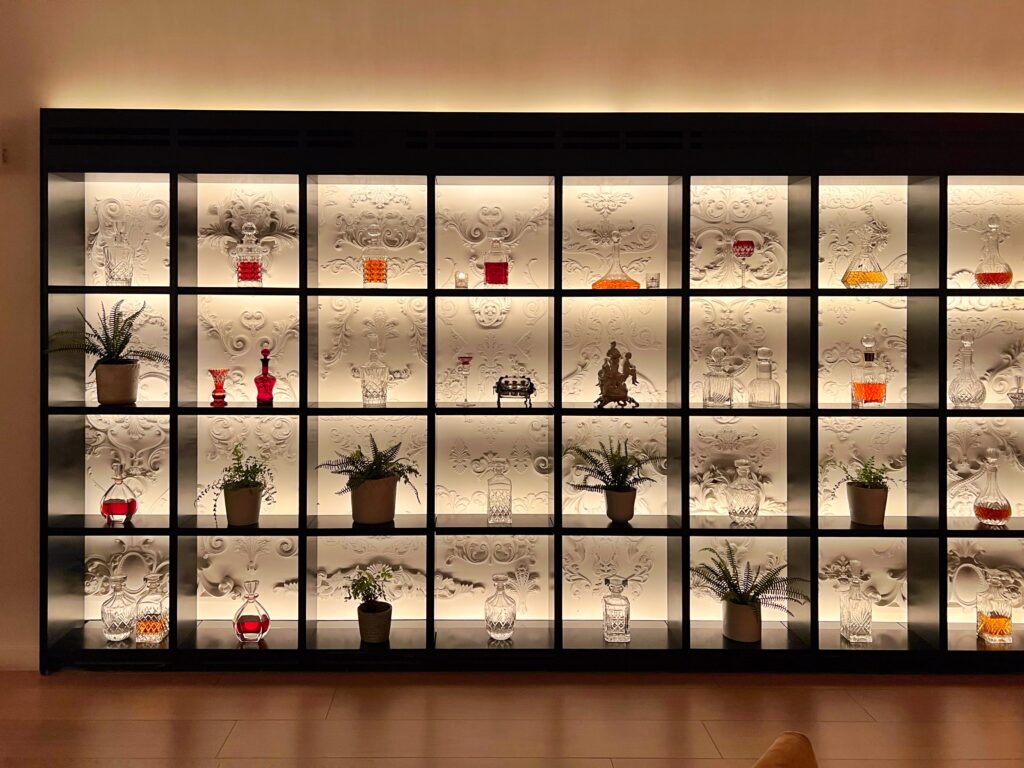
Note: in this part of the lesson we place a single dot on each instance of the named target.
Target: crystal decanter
(864, 271)
(118, 504)
(496, 262)
(1016, 395)
(499, 496)
(375, 260)
(118, 259)
(375, 377)
(616, 278)
(995, 613)
(117, 611)
(151, 616)
(869, 378)
(992, 270)
(616, 611)
(744, 495)
(718, 381)
(500, 610)
(252, 622)
(966, 390)
(763, 390)
(855, 614)
(265, 382)
(248, 257)
(990, 506)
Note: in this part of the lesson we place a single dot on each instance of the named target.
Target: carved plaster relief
(588, 560)
(850, 440)
(225, 562)
(131, 556)
(341, 558)
(883, 562)
(967, 439)
(972, 200)
(997, 324)
(973, 566)
(765, 551)
(152, 330)
(140, 444)
(136, 207)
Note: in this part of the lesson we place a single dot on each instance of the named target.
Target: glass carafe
(855, 615)
(374, 377)
(500, 610)
(615, 278)
(992, 270)
(616, 611)
(117, 611)
(864, 271)
(265, 382)
(252, 622)
(118, 259)
(868, 379)
(375, 260)
(718, 381)
(763, 390)
(966, 390)
(496, 262)
(151, 615)
(248, 257)
(990, 506)
(118, 504)
(499, 496)
(744, 495)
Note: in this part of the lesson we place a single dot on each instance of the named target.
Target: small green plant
(359, 467)
(110, 340)
(243, 472)
(754, 586)
(866, 475)
(612, 466)
(369, 586)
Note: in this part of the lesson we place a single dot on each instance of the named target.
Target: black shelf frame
(927, 148)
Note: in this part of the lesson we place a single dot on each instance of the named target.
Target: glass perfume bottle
(252, 622)
(117, 611)
(616, 611)
(1016, 395)
(864, 271)
(118, 504)
(248, 257)
(744, 495)
(499, 496)
(265, 382)
(995, 613)
(855, 615)
(500, 610)
(464, 361)
(990, 506)
(966, 390)
(992, 270)
(496, 262)
(219, 394)
(868, 379)
(742, 250)
(763, 390)
(151, 616)
(118, 259)
(375, 260)
(616, 278)
(718, 381)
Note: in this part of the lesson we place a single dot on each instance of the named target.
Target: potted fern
(244, 484)
(374, 612)
(744, 594)
(373, 481)
(867, 491)
(617, 472)
(111, 340)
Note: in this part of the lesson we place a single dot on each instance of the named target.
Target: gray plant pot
(741, 623)
(374, 622)
(620, 505)
(117, 383)
(867, 505)
(243, 505)
(373, 502)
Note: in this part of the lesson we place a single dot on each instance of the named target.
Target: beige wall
(675, 55)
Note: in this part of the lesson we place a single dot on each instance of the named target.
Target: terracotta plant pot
(741, 623)
(867, 505)
(117, 383)
(373, 502)
(619, 505)
(243, 505)
(374, 622)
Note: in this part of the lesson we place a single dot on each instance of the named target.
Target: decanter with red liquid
(993, 271)
(252, 622)
(248, 258)
(119, 504)
(990, 506)
(616, 277)
(496, 262)
(868, 379)
(265, 382)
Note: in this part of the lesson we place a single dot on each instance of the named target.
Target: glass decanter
(252, 622)
(744, 495)
(966, 390)
(117, 611)
(992, 271)
(118, 259)
(995, 613)
(118, 504)
(855, 615)
(499, 496)
(375, 260)
(464, 361)
(990, 506)
(864, 271)
(265, 382)
(500, 610)
(616, 611)
(718, 381)
(496, 262)
(151, 615)
(868, 379)
(219, 394)
(763, 390)
(248, 257)
(1016, 395)
(616, 278)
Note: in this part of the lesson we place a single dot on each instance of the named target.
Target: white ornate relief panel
(997, 324)
(465, 565)
(764, 551)
(638, 326)
(135, 206)
(340, 435)
(715, 444)
(967, 440)
(350, 325)
(348, 208)
(650, 433)
(507, 336)
(588, 560)
(233, 329)
(273, 439)
(861, 212)
(133, 557)
(596, 211)
(971, 565)
(882, 560)
(725, 209)
(516, 208)
(225, 204)
(740, 326)
(469, 448)
(842, 321)
(971, 201)
(140, 444)
(339, 559)
(152, 331)
(850, 440)
(224, 563)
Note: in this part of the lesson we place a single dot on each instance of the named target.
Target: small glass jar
(653, 280)
(744, 495)
(461, 280)
(499, 496)
(855, 615)
(616, 611)
(763, 390)
(117, 611)
(252, 622)
(152, 621)
(500, 610)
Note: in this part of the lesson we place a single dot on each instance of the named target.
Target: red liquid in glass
(495, 273)
(250, 271)
(119, 509)
(991, 514)
(251, 624)
(993, 278)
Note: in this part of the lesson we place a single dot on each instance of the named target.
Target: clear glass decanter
(763, 390)
(990, 506)
(744, 495)
(117, 611)
(151, 615)
(118, 504)
(868, 379)
(496, 262)
(500, 610)
(995, 613)
(499, 496)
(616, 278)
(374, 377)
(118, 259)
(855, 615)
(864, 271)
(375, 260)
(992, 270)
(966, 390)
(248, 257)
(1016, 395)
(265, 382)
(252, 622)
(616, 611)
(718, 381)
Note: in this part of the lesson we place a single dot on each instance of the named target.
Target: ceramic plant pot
(243, 505)
(373, 502)
(867, 505)
(741, 623)
(374, 622)
(117, 383)
(619, 505)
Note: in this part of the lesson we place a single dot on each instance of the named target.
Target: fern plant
(370, 586)
(243, 472)
(111, 340)
(360, 467)
(767, 587)
(612, 466)
(867, 474)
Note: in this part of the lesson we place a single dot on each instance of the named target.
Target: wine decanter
(265, 382)
(966, 390)
(375, 260)
(375, 377)
(500, 610)
(744, 495)
(118, 504)
(248, 257)
(252, 622)
(763, 390)
(499, 495)
(496, 262)
(990, 506)
(864, 271)
(615, 611)
(615, 278)
(992, 270)
(117, 611)
(151, 614)
(869, 378)
(118, 258)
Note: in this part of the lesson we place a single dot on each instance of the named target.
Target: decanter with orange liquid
(990, 506)
(993, 271)
(995, 613)
(616, 278)
(869, 379)
(375, 260)
(864, 271)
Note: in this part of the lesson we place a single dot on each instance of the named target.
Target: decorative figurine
(612, 380)
(515, 386)
(265, 382)
(220, 396)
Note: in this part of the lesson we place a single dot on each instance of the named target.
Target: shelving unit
(553, 185)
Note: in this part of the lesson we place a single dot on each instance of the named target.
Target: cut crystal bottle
(966, 390)
(744, 495)
(616, 278)
(375, 260)
(718, 381)
(500, 610)
(265, 382)
(117, 611)
(252, 622)
(864, 271)
(616, 611)
(248, 257)
(499, 496)
(118, 259)
(990, 506)
(868, 379)
(118, 504)
(855, 615)
(763, 390)
(375, 377)
(151, 614)
(496, 262)
(993, 271)
(995, 613)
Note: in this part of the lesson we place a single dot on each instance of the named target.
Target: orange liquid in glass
(998, 279)
(375, 272)
(994, 625)
(864, 278)
(618, 284)
(868, 393)
(992, 515)
(149, 626)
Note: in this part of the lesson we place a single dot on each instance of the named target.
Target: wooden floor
(116, 720)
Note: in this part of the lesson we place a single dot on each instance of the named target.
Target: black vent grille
(250, 138)
(107, 137)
